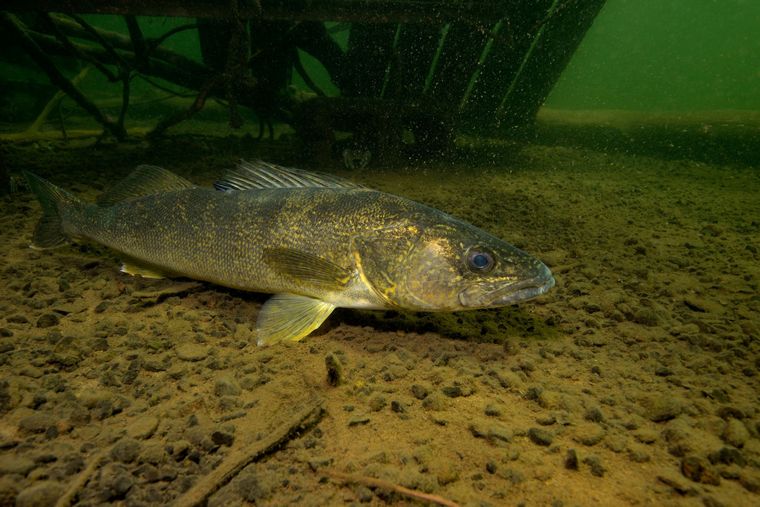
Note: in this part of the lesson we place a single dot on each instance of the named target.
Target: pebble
(226, 386)
(125, 450)
(191, 352)
(21, 465)
(677, 484)
(727, 456)
(594, 415)
(540, 436)
(48, 320)
(358, 420)
(571, 460)
(142, 427)
(696, 469)
(8, 491)
(595, 463)
(36, 423)
(115, 482)
(661, 407)
(735, 433)
(334, 370)
(40, 494)
(419, 391)
(434, 401)
(589, 434)
(377, 403)
(221, 437)
(494, 410)
(254, 487)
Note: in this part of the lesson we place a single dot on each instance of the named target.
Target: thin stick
(401, 490)
(241, 457)
(16, 27)
(76, 487)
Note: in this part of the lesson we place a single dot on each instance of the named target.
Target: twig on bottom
(75, 488)
(401, 490)
(241, 457)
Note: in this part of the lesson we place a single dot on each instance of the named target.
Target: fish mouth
(507, 294)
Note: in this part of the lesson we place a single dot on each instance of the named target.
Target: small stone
(152, 453)
(434, 401)
(142, 427)
(637, 454)
(661, 407)
(48, 320)
(589, 434)
(594, 415)
(40, 494)
(319, 462)
(677, 484)
(358, 420)
(540, 436)
(494, 410)
(546, 420)
(646, 436)
(735, 433)
(595, 463)
(750, 481)
(251, 488)
(419, 391)
(115, 482)
(571, 460)
(226, 386)
(398, 407)
(17, 319)
(191, 352)
(697, 470)
(727, 456)
(377, 403)
(334, 370)
(37, 423)
(10, 464)
(220, 437)
(125, 450)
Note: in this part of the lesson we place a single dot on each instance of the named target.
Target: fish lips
(504, 293)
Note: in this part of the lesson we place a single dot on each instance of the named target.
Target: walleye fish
(315, 241)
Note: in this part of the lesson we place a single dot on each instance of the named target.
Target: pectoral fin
(306, 267)
(136, 269)
(290, 317)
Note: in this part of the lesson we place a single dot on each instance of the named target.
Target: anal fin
(290, 317)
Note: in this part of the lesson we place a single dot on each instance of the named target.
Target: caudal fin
(54, 201)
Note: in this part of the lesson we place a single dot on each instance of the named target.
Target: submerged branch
(15, 26)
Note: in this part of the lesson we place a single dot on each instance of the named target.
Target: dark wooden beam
(561, 33)
(370, 11)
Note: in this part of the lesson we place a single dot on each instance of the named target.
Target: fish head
(451, 266)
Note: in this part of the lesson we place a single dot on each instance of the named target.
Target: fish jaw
(504, 293)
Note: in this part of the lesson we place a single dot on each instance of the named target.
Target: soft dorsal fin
(144, 180)
(260, 175)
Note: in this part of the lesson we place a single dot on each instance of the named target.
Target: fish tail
(56, 204)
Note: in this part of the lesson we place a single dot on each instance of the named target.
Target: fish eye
(479, 260)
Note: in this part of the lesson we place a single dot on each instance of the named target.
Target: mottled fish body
(315, 241)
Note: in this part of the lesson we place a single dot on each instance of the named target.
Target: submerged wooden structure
(424, 69)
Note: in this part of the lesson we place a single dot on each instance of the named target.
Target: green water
(638, 55)
(666, 55)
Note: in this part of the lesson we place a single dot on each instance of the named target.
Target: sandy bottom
(633, 382)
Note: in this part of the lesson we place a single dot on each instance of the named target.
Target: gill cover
(412, 268)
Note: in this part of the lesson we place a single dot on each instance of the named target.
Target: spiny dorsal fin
(144, 180)
(260, 175)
